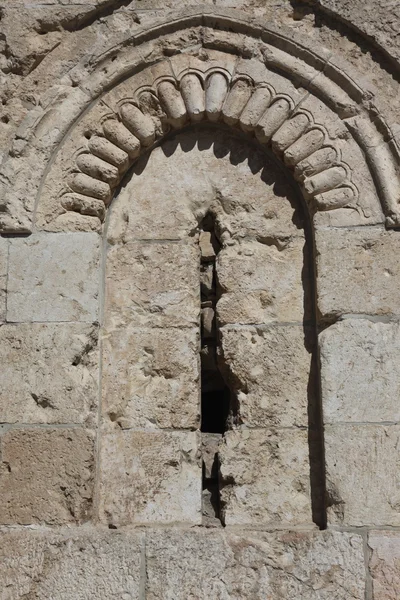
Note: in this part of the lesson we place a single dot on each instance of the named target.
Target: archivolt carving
(304, 146)
(324, 124)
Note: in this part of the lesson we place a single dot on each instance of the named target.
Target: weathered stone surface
(46, 476)
(202, 171)
(359, 375)
(149, 477)
(154, 285)
(49, 373)
(151, 378)
(366, 279)
(3, 276)
(253, 287)
(384, 564)
(265, 477)
(54, 277)
(71, 565)
(269, 369)
(254, 565)
(363, 474)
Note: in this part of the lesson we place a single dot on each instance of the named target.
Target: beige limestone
(254, 565)
(49, 373)
(384, 564)
(269, 369)
(71, 564)
(356, 271)
(3, 276)
(151, 378)
(359, 380)
(362, 474)
(254, 291)
(150, 477)
(265, 477)
(46, 476)
(153, 285)
(202, 171)
(53, 277)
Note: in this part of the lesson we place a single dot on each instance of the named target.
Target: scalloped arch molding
(319, 118)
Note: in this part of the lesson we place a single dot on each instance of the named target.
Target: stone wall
(199, 301)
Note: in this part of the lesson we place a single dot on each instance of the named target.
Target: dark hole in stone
(215, 394)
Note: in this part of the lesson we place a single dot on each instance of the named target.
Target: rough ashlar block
(54, 277)
(286, 565)
(105, 565)
(357, 271)
(149, 477)
(46, 476)
(49, 373)
(384, 564)
(3, 276)
(363, 474)
(268, 369)
(151, 378)
(360, 379)
(153, 284)
(263, 282)
(265, 477)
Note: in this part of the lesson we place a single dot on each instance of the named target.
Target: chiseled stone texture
(384, 564)
(153, 284)
(360, 379)
(72, 564)
(49, 373)
(150, 476)
(46, 476)
(254, 566)
(265, 477)
(151, 377)
(253, 287)
(268, 368)
(357, 271)
(170, 190)
(3, 276)
(363, 474)
(54, 277)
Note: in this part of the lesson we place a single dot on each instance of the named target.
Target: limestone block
(149, 477)
(268, 370)
(384, 564)
(265, 477)
(70, 565)
(359, 374)
(287, 565)
(170, 191)
(262, 282)
(153, 284)
(3, 276)
(49, 373)
(363, 474)
(151, 378)
(366, 281)
(46, 476)
(54, 277)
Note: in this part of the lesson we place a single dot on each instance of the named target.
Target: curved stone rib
(193, 96)
(255, 108)
(336, 198)
(88, 186)
(84, 205)
(107, 151)
(324, 181)
(138, 123)
(307, 144)
(272, 119)
(315, 163)
(98, 168)
(290, 132)
(172, 103)
(119, 135)
(216, 90)
(236, 101)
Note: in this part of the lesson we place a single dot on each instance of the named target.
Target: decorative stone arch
(318, 117)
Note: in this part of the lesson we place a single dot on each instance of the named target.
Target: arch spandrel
(33, 167)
